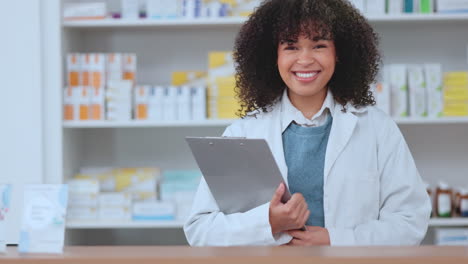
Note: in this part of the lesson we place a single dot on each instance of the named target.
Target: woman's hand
(289, 216)
(313, 236)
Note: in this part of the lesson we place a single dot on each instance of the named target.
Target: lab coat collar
(342, 129)
(290, 113)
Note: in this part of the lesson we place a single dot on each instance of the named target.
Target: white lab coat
(373, 194)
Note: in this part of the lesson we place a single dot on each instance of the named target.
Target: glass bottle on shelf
(443, 200)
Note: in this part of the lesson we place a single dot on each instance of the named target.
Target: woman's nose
(305, 57)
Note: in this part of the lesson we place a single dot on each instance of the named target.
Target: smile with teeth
(306, 75)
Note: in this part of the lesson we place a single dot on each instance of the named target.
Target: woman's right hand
(290, 215)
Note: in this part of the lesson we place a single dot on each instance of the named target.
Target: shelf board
(111, 23)
(226, 122)
(145, 123)
(420, 17)
(122, 224)
(237, 21)
(431, 121)
(442, 222)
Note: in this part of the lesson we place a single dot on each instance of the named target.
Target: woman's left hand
(313, 236)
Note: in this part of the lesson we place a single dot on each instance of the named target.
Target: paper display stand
(43, 221)
(5, 196)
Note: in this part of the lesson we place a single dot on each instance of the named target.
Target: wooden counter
(241, 255)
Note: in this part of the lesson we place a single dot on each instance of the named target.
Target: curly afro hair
(258, 82)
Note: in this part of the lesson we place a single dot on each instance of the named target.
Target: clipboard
(241, 173)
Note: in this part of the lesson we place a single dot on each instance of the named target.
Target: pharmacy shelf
(226, 122)
(237, 21)
(144, 123)
(122, 224)
(110, 23)
(443, 222)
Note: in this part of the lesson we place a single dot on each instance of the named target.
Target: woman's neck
(308, 105)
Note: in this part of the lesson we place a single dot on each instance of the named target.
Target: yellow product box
(102, 175)
(222, 115)
(189, 78)
(455, 114)
(455, 83)
(129, 67)
(456, 108)
(223, 86)
(220, 63)
(144, 196)
(456, 75)
(74, 69)
(245, 8)
(456, 94)
(97, 69)
(141, 97)
(136, 179)
(224, 104)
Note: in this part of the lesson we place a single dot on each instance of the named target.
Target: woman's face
(306, 66)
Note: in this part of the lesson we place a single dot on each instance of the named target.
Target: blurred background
(100, 95)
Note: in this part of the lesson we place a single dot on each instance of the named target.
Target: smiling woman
(304, 68)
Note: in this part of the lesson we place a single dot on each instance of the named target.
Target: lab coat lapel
(341, 131)
(275, 140)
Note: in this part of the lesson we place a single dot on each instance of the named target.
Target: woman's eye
(290, 48)
(320, 46)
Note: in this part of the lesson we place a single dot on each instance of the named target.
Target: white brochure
(43, 223)
(5, 196)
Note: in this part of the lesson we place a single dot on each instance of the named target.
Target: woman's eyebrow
(288, 41)
(318, 38)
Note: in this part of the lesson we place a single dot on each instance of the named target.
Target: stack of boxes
(109, 194)
(83, 199)
(102, 87)
(132, 194)
(178, 187)
(435, 101)
(452, 6)
(193, 9)
(170, 103)
(97, 81)
(417, 91)
(191, 95)
(396, 77)
(411, 90)
(380, 7)
(222, 103)
(456, 94)
(115, 206)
